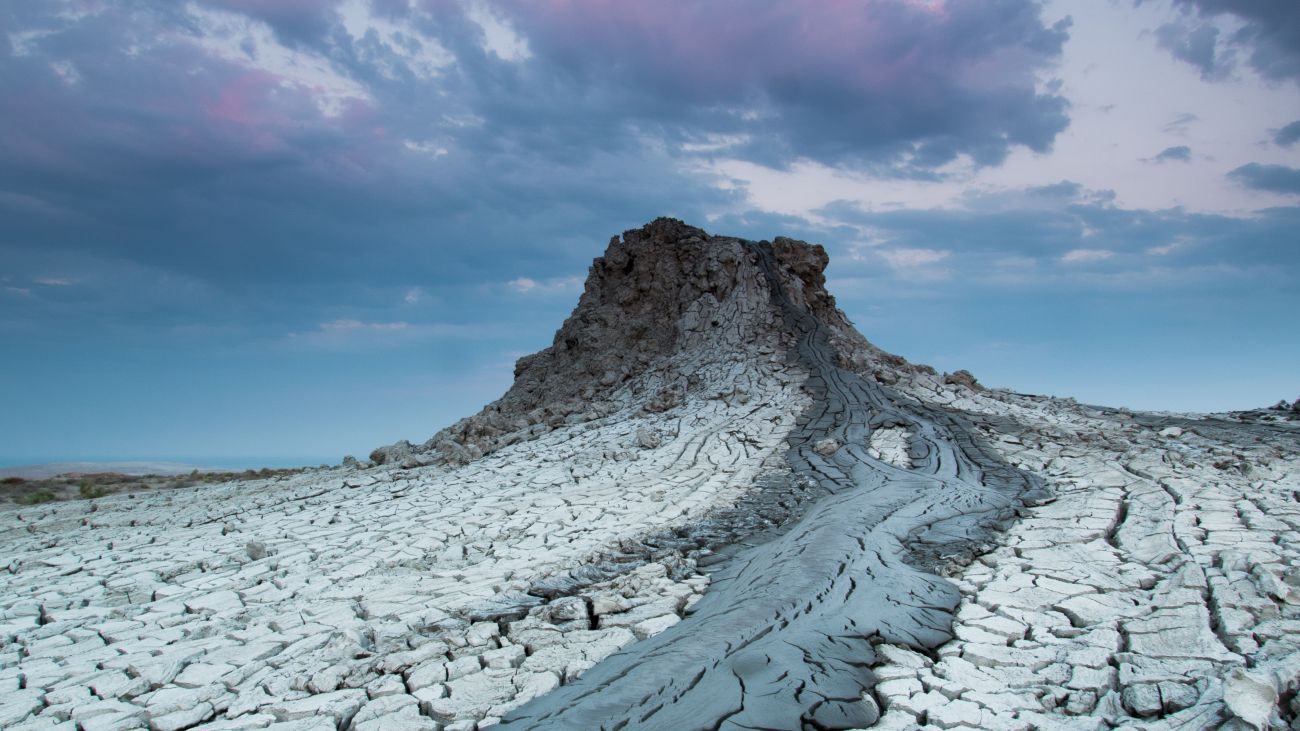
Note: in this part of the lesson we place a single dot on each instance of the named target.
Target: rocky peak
(660, 296)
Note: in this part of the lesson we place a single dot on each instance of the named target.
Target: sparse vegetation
(24, 491)
(87, 489)
(35, 498)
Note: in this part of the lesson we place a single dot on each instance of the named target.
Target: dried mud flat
(711, 504)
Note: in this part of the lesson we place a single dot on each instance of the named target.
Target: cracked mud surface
(313, 597)
(1158, 591)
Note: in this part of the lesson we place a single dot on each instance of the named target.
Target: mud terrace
(710, 504)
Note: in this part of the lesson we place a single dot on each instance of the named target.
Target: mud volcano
(709, 504)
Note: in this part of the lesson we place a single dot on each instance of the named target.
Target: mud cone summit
(709, 504)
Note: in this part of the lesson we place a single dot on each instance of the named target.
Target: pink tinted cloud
(259, 113)
(244, 100)
(173, 106)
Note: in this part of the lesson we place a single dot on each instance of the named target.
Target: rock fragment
(1250, 697)
(827, 447)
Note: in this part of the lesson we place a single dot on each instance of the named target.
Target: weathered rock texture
(709, 504)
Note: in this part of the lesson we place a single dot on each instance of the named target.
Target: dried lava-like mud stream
(783, 639)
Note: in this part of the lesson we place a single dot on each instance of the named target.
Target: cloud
(54, 281)
(272, 137)
(346, 324)
(396, 46)
(1180, 153)
(1197, 45)
(1051, 196)
(1273, 178)
(1007, 243)
(854, 84)
(351, 333)
(431, 149)
(1181, 124)
(66, 71)
(412, 295)
(293, 21)
(256, 154)
(1267, 33)
(252, 43)
(499, 38)
(555, 285)
(1288, 135)
(1082, 256)
(912, 257)
(523, 285)
(1165, 249)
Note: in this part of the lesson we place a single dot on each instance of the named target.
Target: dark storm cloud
(159, 150)
(1272, 178)
(851, 84)
(174, 141)
(1269, 37)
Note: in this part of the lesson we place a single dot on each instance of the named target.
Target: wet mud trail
(784, 637)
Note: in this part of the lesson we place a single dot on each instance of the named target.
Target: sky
(270, 232)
